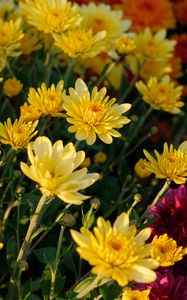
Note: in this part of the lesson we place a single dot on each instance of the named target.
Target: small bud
(23, 265)
(140, 169)
(17, 173)
(153, 130)
(100, 158)
(125, 45)
(154, 182)
(137, 198)
(68, 220)
(86, 162)
(20, 189)
(95, 203)
(1, 245)
(134, 118)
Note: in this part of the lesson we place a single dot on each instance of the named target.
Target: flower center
(96, 107)
(116, 245)
(97, 25)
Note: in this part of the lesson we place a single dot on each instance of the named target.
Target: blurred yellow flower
(53, 167)
(100, 158)
(6, 8)
(17, 134)
(30, 43)
(29, 112)
(125, 45)
(117, 252)
(161, 95)
(80, 43)
(94, 114)
(141, 170)
(171, 164)
(12, 87)
(51, 16)
(165, 250)
(86, 162)
(48, 101)
(1, 246)
(135, 294)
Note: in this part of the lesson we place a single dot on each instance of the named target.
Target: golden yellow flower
(135, 295)
(125, 44)
(29, 112)
(18, 134)
(1, 246)
(117, 252)
(161, 95)
(100, 158)
(51, 16)
(12, 87)
(6, 8)
(171, 164)
(141, 170)
(94, 114)
(80, 43)
(30, 43)
(53, 167)
(48, 101)
(165, 250)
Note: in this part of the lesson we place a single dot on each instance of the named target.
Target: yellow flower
(100, 158)
(6, 8)
(80, 43)
(165, 250)
(171, 164)
(1, 246)
(141, 170)
(18, 134)
(48, 101)
(12, 87)
(125, 44)
(94, 114)
(86, 162)
(51, 16)
(30, 43)
(117, 252)
(161, 95)
(29, 112)
(53, 167)
(135, 295)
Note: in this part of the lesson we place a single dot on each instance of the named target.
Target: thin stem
(128, 90)
(11, 72)
(5, 218)
(107, 71)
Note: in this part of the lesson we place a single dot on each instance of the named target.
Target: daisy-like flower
(53, 167)
(166, 251)
(125, 44)
(171, 164)
(48, 101)
(29, 112)
(51, 16)
(94, 114)
(81, 43)
(135, 294)
(117, 252)
(17, 134)
(12, 87)
(161, 95)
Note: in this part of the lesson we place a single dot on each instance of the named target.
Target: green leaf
(38, 231)
(110, 291)
(45, 255)
(84, 284)
(11, 251)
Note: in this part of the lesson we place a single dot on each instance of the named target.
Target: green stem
(68, 72)
(11, 72)
(108, 69)
(128, 90)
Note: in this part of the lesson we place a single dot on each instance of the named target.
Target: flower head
(171, 164)
(180, 11)
(125, 44)
(51, 16)
(48, 101)
(141, 170)
(12, 87)
(94, 114)
(29, 112)
(181, 46)
(18, 134)
(117, 252)
(161, 95)
(135, 295)
(30, 43)
(53, 167)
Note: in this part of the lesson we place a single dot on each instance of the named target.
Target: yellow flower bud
(140, 169)
(125, 45)
(12, 87)
(100, 158)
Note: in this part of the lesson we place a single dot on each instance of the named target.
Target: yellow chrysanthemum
(6, 8)
(29, 112)
(102, 17)
(53, 168)
(80, 43)
(30, 43)
(161, 95)
(165, 250)
(48, 101)
(117, 252)
(94, 114)
(125, 44)
(171, 164)
(135, 295)
(12, 87)
(18, 134)
(51, 16)
(141, 170)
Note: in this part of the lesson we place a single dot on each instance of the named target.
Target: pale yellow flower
(135, 295)
(17, 134)
(94, 114)
(125, 45)
(12, 87)
(48, 101)
(53, 167)
(51, 16)
(165, 250)
(161, 95)
(171, 164)
(29, 112)
(80, 43)
(141, 170)
(6, 8)
(117, 252)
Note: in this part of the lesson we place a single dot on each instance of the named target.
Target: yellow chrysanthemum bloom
(102, 17)
(117, 252)
(135, 295)
(18, 134)
(125, 44)
(161, 95)
(51, 16)
(30, 43)
(29, 112)
(94, 114)
(171, 164)
(48, 101)
(80, 43)
(53, 167)
(141, 170)
(165, 250)
(12, 87)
